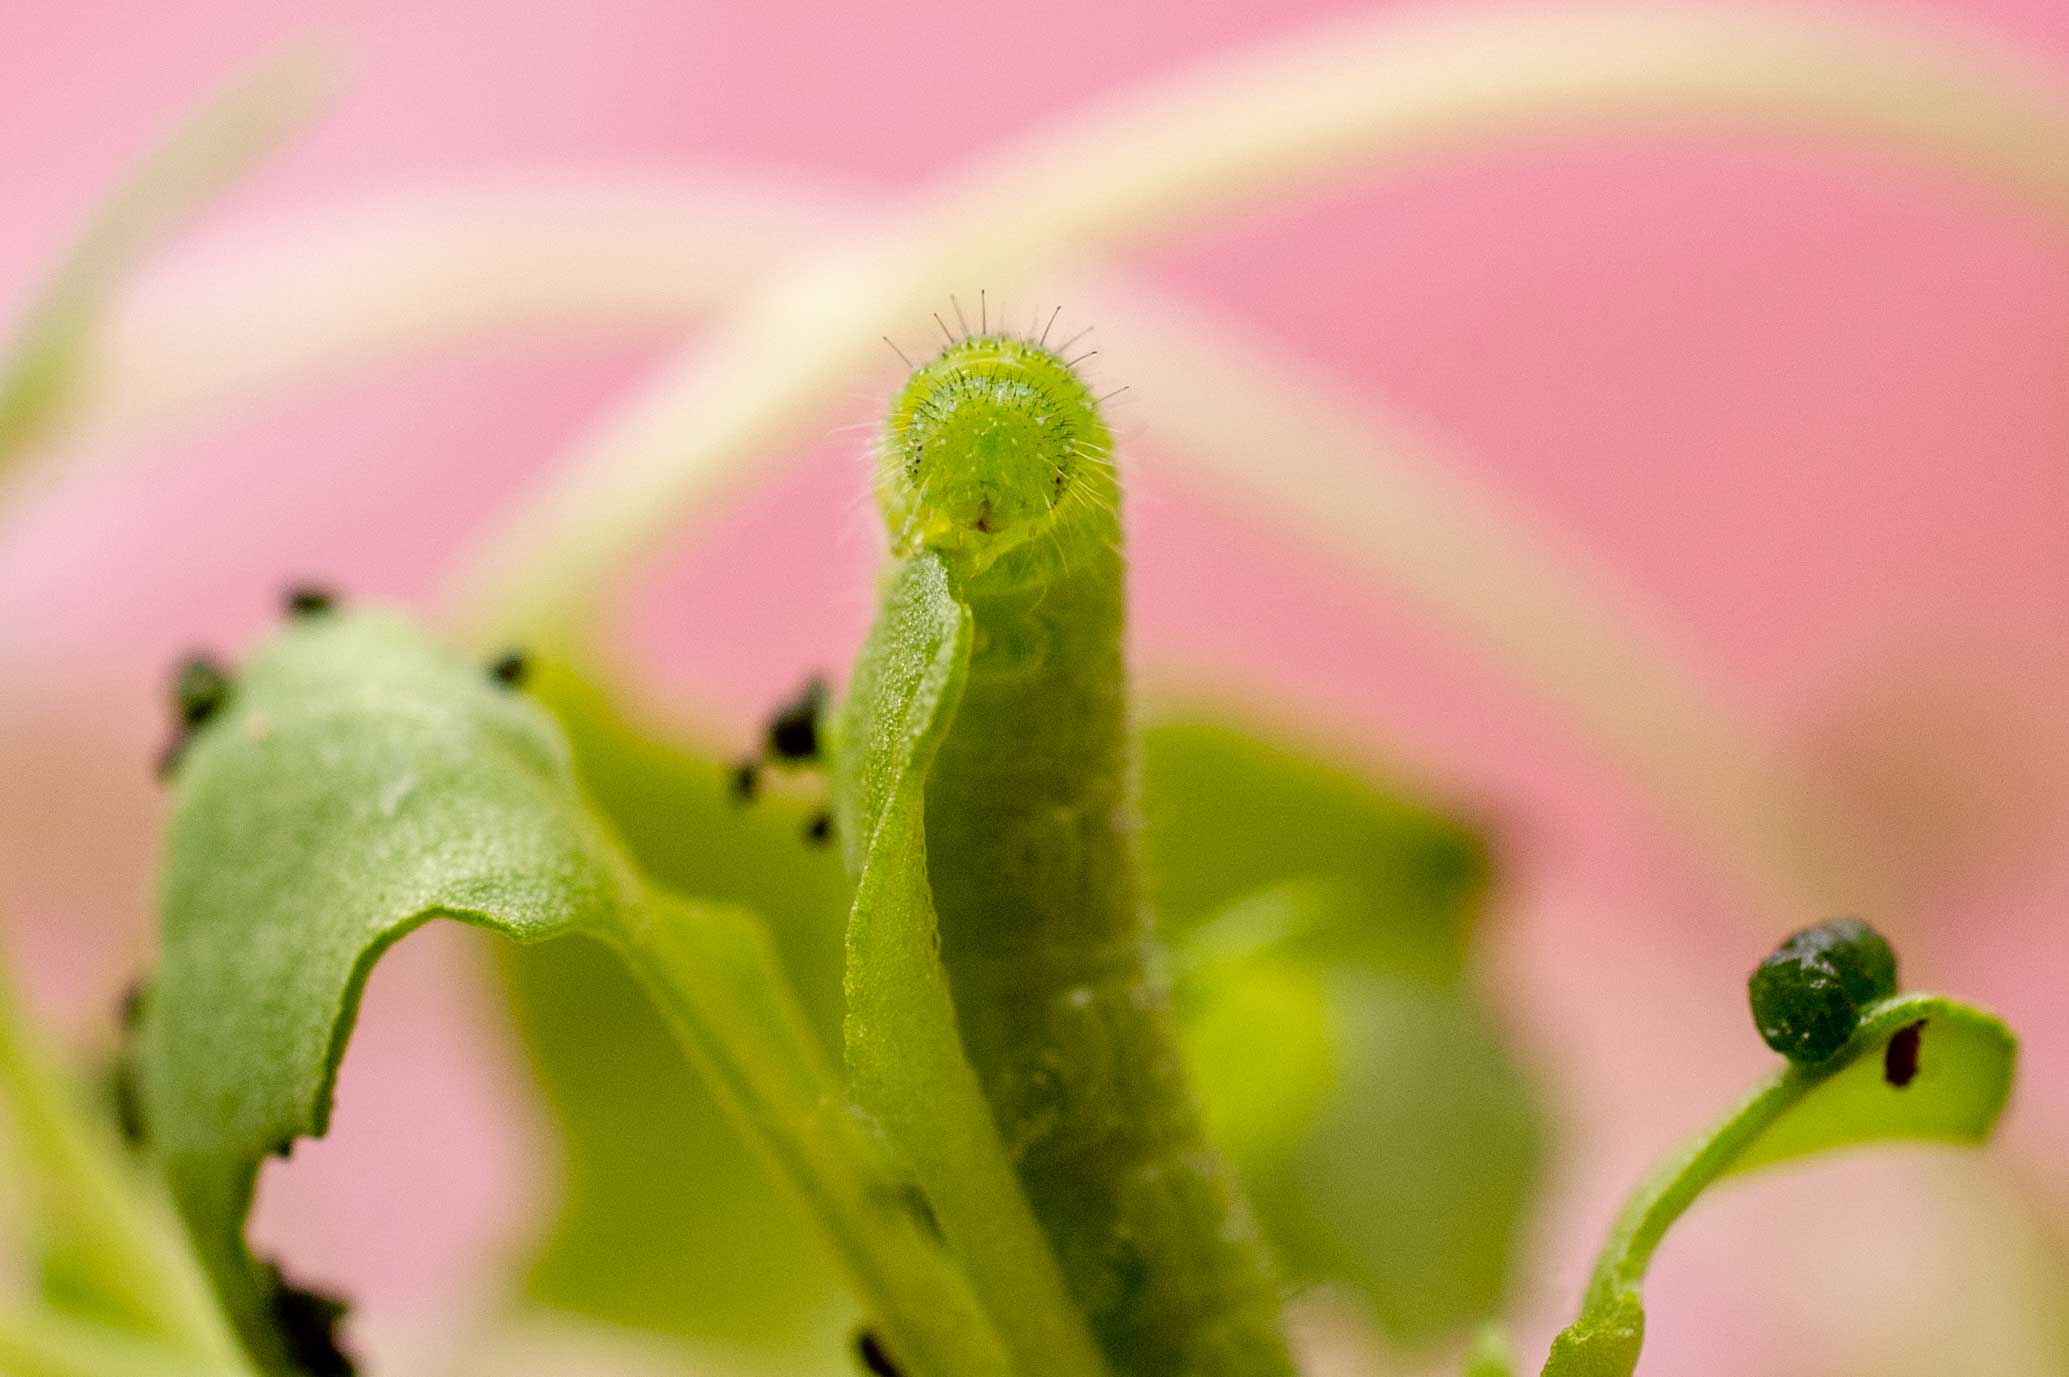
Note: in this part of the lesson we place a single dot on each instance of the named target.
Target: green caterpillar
(995, 457)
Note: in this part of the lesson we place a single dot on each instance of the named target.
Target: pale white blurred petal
(209, 150)
(412, 270)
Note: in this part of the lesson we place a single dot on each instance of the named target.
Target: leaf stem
(1665, 1195)
(718, 985)
(1604, 1340)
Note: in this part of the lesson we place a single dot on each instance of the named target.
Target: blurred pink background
(1812, 409)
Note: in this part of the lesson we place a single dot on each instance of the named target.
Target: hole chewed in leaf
(1900, 1058)
(308, 1323)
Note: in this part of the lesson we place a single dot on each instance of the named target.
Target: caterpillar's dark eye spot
(869, 1350)
(746, 781)
(308, 600)
(819, 830)
(1900, 1058)
(1808, 995)
(794, 730)
(510, 669)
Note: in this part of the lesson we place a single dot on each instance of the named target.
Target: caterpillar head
(994, 447)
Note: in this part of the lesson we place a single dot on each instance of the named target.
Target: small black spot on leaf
(128, 1103)
(869, 1349)
(746, 781)
(125, 1096)
(794, 730)
(308, 600)
(200, 687)
(129, 1011)
(1900, 1058)
(510, 668)
(819, 830)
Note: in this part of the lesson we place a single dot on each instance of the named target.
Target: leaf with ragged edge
(1918, 1067)
(361, 782)
(1227, 812)
(357, 785)
(648, 1157)
(905, 1057)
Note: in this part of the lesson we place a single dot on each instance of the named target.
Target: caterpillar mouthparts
(993, 446)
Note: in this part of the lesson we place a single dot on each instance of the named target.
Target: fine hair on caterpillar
(995, 456)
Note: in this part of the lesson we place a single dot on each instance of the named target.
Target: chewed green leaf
(1922, 1067)
(359, 782)
(1228, 812)
(905, 1056)
(1918, 1067)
